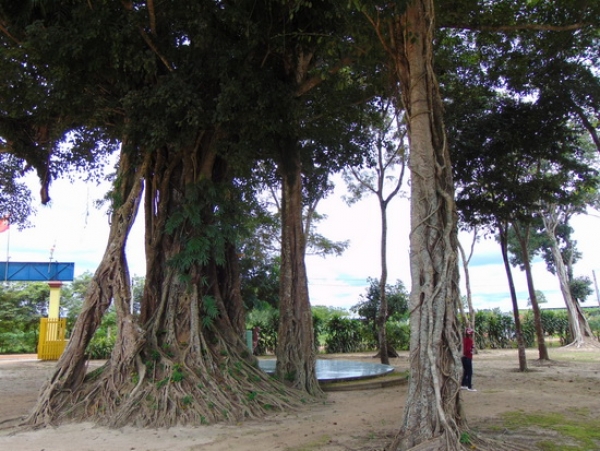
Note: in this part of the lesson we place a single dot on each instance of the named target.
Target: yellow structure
(54, 306)
(51, 343)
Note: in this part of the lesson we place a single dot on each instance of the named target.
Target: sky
(71, 229)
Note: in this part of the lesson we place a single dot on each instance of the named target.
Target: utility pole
(596, 286)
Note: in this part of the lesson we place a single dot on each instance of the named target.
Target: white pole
(596, 286)
(7, 256)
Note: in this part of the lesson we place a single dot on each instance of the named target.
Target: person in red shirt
(467, 360)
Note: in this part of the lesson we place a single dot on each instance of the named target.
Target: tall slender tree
(383, 176)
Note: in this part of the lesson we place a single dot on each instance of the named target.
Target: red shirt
(468, 346)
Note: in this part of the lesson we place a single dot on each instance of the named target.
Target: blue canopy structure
(37, 271)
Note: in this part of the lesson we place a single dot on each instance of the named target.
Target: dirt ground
(348, 420)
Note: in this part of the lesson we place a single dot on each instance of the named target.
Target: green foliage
(321, 316)
(581, 288)
(103, 341)
(594, 321)
(528, 329)
(259, 275)
(369, 304)
(23, 304)
(210, 310)
(100, 347)
(72, 296)
(268, 321)
(19, 342)
(332, 328)
(213, 216)
(178, 374)
(15, 195)
(465, 438)
(398, 334)
(343, 335)
(494, 329)
(556, 323)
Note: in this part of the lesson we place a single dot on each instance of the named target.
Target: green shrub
(344, 335)
(100, 347)
(494, 329)
(18, 342)
(594, 323)
(528, 329)
(556, 323)
(398, 334)
(268, 321)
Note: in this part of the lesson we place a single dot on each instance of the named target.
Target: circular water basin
(337, 370)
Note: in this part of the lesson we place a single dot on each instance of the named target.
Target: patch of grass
(465, 438)
(583, 433)
(177, 375)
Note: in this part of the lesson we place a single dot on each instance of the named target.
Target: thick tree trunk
(513, 296)
(110, 281)
(295, 351)
(433, 412)
(186, 362)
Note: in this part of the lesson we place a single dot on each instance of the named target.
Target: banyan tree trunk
(184, 359)
(432, 416)
(295, 351)
(110, 281)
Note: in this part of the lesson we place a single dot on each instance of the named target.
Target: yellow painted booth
(51, 343)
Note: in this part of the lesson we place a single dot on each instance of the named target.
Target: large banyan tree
(195, 94)
(132, 71)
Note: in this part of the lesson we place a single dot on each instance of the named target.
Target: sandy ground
(347, 420)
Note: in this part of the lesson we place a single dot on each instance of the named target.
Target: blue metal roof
(37, 271)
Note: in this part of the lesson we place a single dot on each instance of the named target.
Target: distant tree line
(337, 330)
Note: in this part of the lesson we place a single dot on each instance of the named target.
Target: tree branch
(518, 27)
(155, 49)
(152, 16)
(318, 79)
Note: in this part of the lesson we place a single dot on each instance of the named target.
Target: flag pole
(7, 256)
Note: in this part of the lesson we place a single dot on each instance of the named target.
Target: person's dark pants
(467, 372)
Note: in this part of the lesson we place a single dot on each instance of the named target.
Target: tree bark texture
(537, 314)
(110, 282)
(470, 320)
(296, 356)
(580, 328)
(433, 410)
(382, 314)
(184, 359)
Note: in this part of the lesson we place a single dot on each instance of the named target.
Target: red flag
(4, 225)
